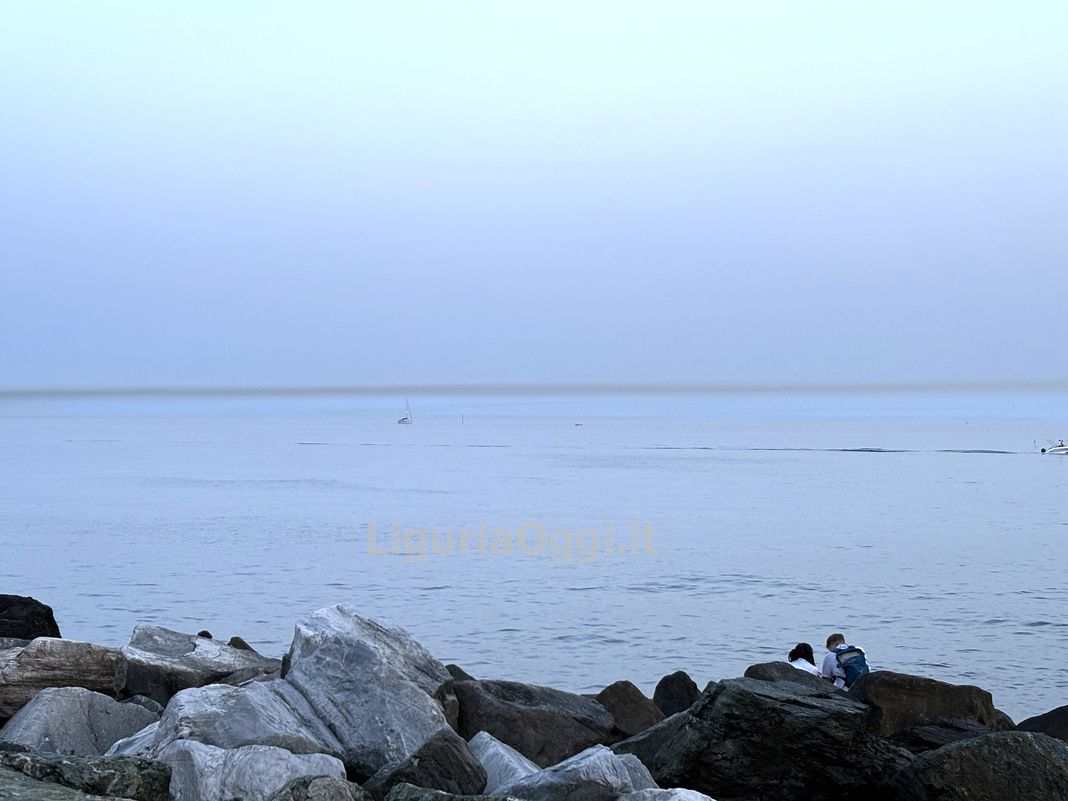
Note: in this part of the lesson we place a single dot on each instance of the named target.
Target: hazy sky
(289, 193)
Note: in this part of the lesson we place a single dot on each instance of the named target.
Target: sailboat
(407, 419)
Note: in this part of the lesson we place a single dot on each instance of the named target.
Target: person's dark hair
(803, 651)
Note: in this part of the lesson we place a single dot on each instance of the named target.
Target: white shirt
(804, 664)
(830, 668)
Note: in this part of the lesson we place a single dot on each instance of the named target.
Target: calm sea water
(927, 528)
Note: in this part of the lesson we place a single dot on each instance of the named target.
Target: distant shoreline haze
(534, 389)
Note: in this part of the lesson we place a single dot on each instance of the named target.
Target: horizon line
(528, 389)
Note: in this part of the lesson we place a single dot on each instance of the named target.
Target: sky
(349, 193)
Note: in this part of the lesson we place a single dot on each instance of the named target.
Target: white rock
(504, 765)
(264, 713)
(252, 773)
(341, 699)
(394, 646)
(346, 693)
(379, 716)
(596, 774)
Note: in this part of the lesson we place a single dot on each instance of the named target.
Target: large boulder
(379, 715)
(320, 788)
(124, 777)
(747, 738)
(24, 618)
(1003, 766)
(252, 773)
(784, 671)
(342, 697)
(389, 645)
(647, 745)
(676, 692)
(161, 662)
(502, 763)
(1054, 723)
(543, 724)
(631, 711)
(73, 720)
(268, 713)
(596, 774)
(901, 701)
(50, 662)
(444, 762)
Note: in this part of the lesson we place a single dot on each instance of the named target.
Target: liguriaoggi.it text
(561, 545)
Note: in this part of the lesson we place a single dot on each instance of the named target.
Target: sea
(563, 540)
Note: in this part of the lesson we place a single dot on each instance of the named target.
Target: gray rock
(12, 642)
(502, 763)
(24, 618)
(392, 646)
(73, 720)
(1054, 723)
(596, 774)
(320, 788)
(48, 662)
(379, 715)
(674, 794)
(543, 724)
(647, 745)
(1003, 766)
(268, 713)
(125, 777)
(748, 739)
(444, 762)
(676, 692)
(901, 701)
(252, 773)
(631, 711)
(163, 662)
(919, 739)
(784, 671)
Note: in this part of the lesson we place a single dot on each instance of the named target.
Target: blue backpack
(852, 663)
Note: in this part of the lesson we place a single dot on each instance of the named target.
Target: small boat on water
(407, 419)
(1059, 449)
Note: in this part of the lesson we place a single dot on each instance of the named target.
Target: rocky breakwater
(359, 711)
